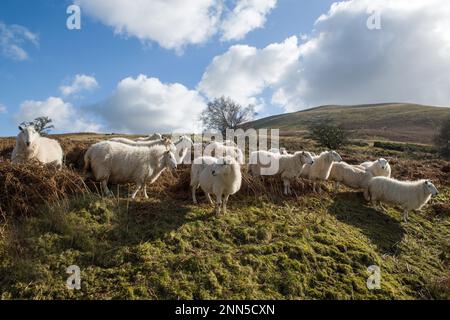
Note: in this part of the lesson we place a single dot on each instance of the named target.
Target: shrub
(328, 135)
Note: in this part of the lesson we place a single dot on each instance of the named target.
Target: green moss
(307, 248)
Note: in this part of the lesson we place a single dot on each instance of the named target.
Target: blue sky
(57, 55)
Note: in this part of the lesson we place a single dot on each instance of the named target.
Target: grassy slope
(301, 247)
(398, 122)
(309, 247)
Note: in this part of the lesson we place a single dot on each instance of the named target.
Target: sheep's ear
(20, 128)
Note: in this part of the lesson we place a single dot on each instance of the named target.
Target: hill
(395, 121)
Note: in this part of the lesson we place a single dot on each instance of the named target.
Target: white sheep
(155, 136)
(288, 166)
(116, 162)
(280, 151)
(321, 168)
(410, 195)
(379, 168)
(351, 176)
(219, 149)
(31, 146)
(221, 177)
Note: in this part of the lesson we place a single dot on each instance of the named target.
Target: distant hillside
(395, 121)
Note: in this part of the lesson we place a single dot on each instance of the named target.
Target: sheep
(410, 195)
(321, 168)
(280, 151)
(31, 146)
(351, 176)
(379, 168)
(116, 162)
(155, 136)
(164, 142)
(219, 149)
(289, 165)
(221, 177)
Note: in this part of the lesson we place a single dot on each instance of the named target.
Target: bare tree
(223, 113)
(41, 124)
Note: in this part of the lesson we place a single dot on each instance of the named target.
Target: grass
(304, 248)
(266, 247)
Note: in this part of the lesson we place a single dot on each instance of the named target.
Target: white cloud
(65, 117)
(80, 83)
(144, 104)
(173, 24)
(3, 109)
(343, 62)
(245, 17)
(13, 38)
(243, 72)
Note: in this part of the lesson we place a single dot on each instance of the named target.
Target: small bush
(328, 135)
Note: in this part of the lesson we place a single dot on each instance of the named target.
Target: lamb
(289, 165)
(155, 136)
(116, 162)
(221, 177)
(351, 176)
(321, 168)
(31, 146)
(379, 168)
(410, 195)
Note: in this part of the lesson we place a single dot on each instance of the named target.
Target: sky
(138, 66)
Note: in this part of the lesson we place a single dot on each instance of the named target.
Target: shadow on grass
(384, 231)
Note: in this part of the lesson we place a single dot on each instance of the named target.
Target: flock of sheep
(141, 161)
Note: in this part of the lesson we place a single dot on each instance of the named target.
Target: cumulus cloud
(145, 104)
(65, 117)
(13, 39)
(343, 62)
(81, 82)
(246, 16)
(243, 72)
(173, 24)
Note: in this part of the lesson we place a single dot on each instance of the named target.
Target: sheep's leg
(145, 191)
(208, 196)
(104, 186)
(225, 201)
(286, 185)
(218, 204)
(319, 186)
(194, 197)
(139, 187)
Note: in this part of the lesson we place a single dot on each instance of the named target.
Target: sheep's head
(223, 166)
(170, 161)
(430, 187)
(283, 151)
(335, 157)
(28, 135)
(305, 157)
(383, 163)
